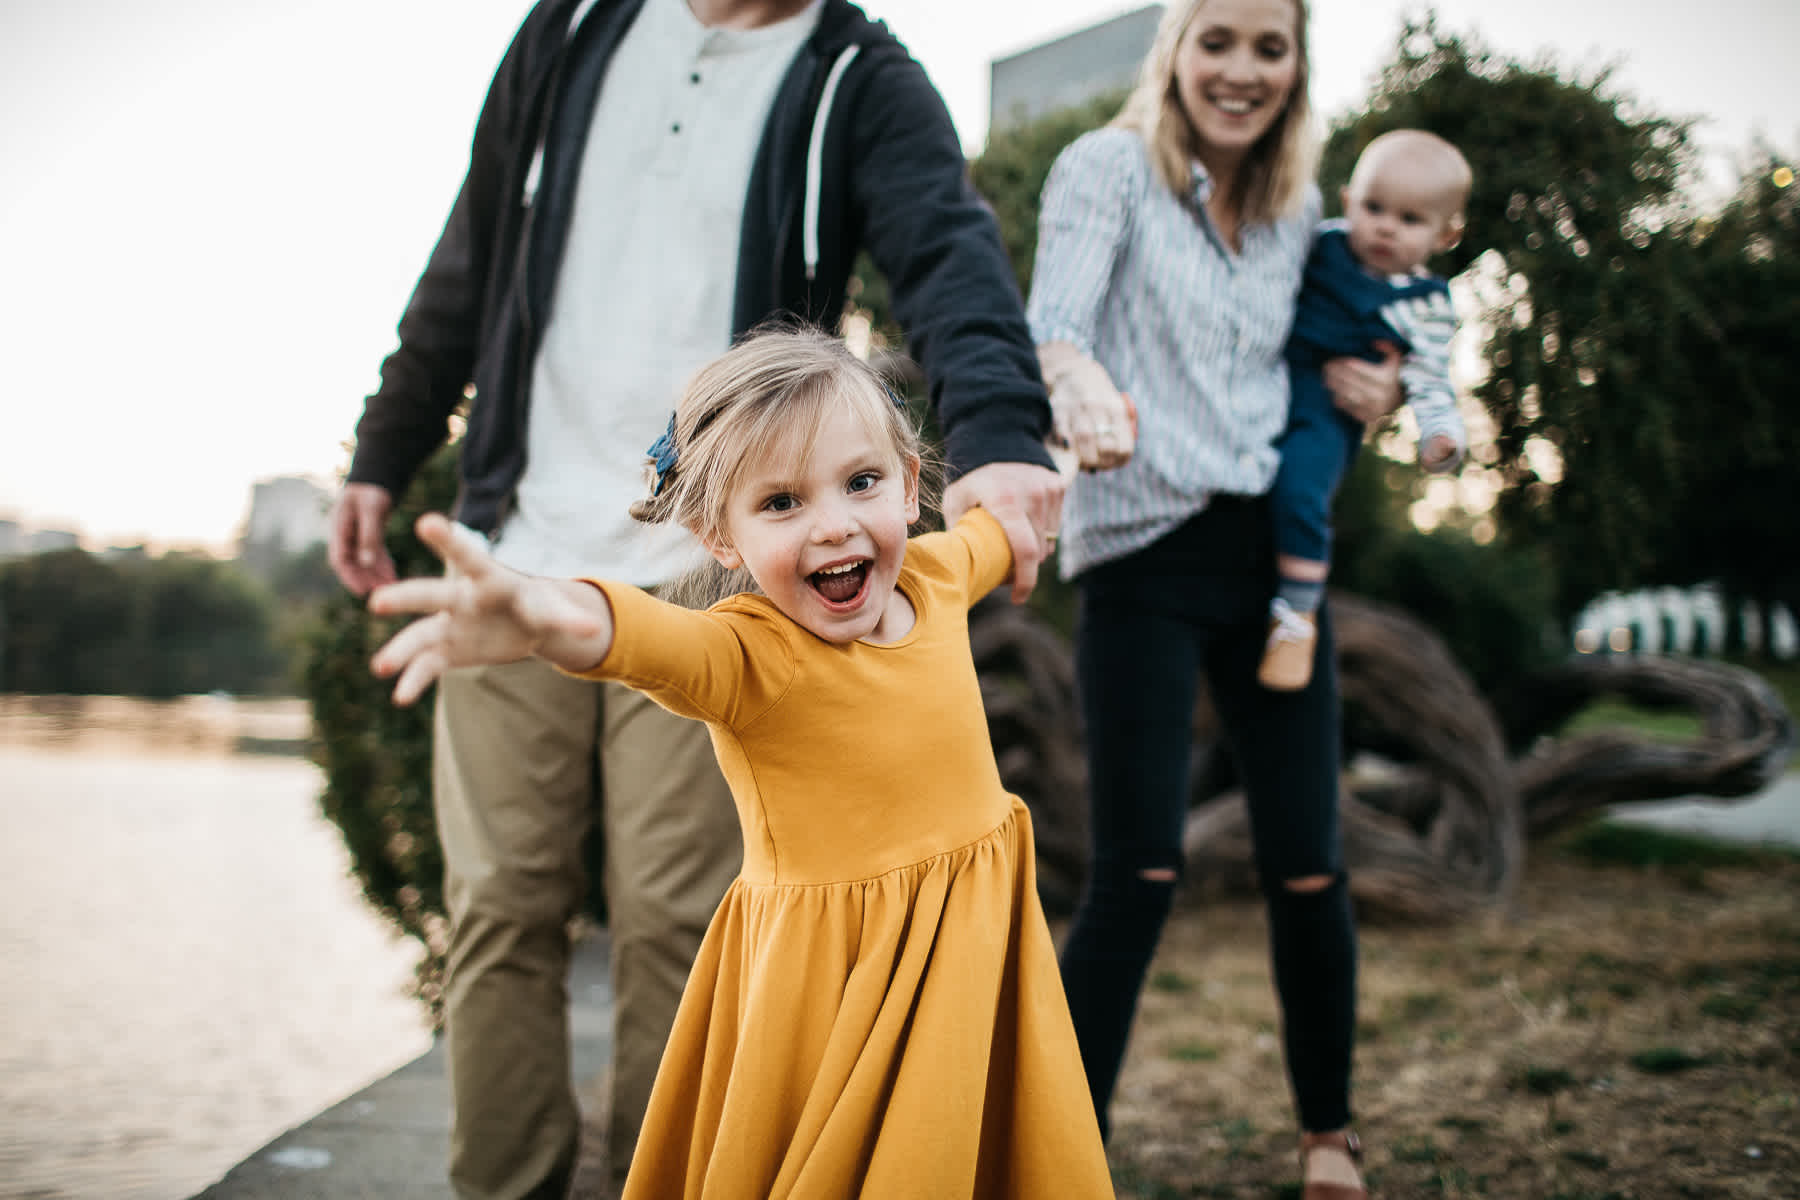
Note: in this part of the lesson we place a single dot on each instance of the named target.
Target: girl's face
(824, 536)
(1235, 68)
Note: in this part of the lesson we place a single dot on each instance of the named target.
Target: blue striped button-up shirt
(1138, 279)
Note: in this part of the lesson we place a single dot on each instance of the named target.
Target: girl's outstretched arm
(480, 613)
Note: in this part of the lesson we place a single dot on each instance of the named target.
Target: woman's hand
(481, 613)
(1088, 414)
(1366, 391)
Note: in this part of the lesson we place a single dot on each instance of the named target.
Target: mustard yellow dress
(876, 1009)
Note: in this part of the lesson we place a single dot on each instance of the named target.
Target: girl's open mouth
(840, 584)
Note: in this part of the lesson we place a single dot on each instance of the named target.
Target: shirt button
(694, 78)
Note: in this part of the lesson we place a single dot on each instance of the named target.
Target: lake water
(186, 966)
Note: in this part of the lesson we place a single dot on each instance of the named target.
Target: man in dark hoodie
(648, 180)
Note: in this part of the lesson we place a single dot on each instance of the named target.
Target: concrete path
(391, 1139)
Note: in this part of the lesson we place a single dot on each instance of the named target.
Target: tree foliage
(1617, 322)
(73, 623)
(1735, 517)
(376, 755)
(1011, 171)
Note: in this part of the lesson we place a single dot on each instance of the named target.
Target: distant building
(287, 517)
(45, 540)
(1070, 70)
(16, 541)
(1681, 621)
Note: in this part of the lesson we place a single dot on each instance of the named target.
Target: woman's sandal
(1345, 1143)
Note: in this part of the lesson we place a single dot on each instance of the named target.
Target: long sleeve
(1428, 323)
(1081, 229)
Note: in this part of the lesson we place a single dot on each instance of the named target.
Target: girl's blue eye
(863, 482)
(780, 504)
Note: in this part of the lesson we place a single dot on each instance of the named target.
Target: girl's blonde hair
(1278, 169)
(765, 397)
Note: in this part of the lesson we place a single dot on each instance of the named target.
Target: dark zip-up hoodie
(858, 152)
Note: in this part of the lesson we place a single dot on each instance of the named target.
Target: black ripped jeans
(1195, 604)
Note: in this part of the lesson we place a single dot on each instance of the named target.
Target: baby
(1365, 292)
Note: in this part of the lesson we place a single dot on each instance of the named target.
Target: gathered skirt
(898, 1036)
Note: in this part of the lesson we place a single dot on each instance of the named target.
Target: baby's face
(1397, 222)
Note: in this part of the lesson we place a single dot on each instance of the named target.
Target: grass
(1611, 712)
(1633, 1032)
(1676, 725)
(1611, 843)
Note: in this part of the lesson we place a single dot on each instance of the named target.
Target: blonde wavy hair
(1280, 166)
(763, 399)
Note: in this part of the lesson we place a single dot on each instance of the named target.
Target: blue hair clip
(663, 455)
(896, 397)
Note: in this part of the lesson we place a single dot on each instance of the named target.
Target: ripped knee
(1157, 874)
(1308, 883)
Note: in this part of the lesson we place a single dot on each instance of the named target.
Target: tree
(80, 625)
(1010, 172)
(1736, 515)
(206, 626)
(1579, 251)
(1621, 325)
(1574, 245)
(69, 626)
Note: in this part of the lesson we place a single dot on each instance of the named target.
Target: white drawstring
(815, 161)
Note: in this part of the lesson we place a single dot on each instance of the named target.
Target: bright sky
(214, 210)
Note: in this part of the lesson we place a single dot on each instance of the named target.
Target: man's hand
(356, 550)
(1366, 391)
(1027, 501)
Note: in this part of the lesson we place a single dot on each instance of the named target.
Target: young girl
(876, 1009)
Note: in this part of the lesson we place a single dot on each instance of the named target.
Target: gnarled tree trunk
(1438, 837)
(1436, 811)
(1746, 738)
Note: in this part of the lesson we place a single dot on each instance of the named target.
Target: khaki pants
(524, 758)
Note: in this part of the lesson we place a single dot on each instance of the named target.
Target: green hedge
(377, 755)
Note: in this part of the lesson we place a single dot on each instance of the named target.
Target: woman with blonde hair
(1170, 247)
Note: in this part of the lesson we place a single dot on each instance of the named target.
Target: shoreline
(206, 725)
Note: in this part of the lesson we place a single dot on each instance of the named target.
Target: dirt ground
(1633, 1032)
(1630, 1033)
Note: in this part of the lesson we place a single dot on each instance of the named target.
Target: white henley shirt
(645, 292)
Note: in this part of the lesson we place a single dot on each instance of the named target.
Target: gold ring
(1050, 536)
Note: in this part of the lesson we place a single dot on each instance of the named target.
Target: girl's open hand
(478, 613)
